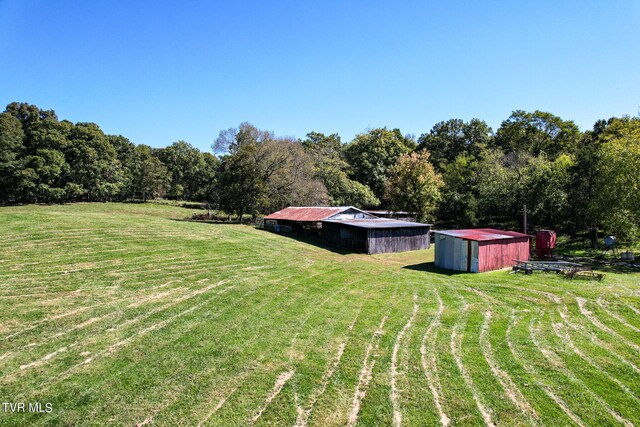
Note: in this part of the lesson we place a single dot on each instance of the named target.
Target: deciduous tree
(372, 156)
(414, 186)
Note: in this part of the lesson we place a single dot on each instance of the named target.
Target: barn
(479, 250)
(376, 235)
(307, 220)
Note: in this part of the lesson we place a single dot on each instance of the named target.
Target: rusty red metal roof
(483, 234)
(307, 213)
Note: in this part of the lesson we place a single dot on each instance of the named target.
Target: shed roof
(482, 234)
(384, 212)
(308, 213)
(378, 223)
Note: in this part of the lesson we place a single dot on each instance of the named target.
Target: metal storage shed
(479, 250)
(375, 236)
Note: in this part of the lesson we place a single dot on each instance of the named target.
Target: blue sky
(161, 71)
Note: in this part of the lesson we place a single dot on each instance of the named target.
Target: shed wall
(452, 252)
(335, 234)
(386, 240)
(497, 254)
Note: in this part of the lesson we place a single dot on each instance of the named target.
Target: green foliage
(567, 179)
(507, 182)
(453, 138)
(333, 170)
(150, 177)
(262, 173)
(46, 160)
(459, 199)
(372, 156)
(11, 139)
(190, 171)
(536, 133)
(414, 186)
(617, 200)
(584, 173)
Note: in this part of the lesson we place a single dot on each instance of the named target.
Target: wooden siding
(385, 240)
(375, 240)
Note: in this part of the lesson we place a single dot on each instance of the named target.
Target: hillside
(119, 314)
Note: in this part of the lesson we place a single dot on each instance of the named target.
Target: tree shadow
(430, 267)
(212, 221)
(185, 205)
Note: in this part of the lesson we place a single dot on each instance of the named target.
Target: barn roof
(384, 212)
(378, 223)
(482, 234)
(308, 213)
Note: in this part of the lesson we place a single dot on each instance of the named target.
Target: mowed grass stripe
(92, 305)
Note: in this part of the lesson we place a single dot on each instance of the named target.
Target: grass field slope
(117, 314)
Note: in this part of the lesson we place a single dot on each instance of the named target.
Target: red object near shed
(545, 243)
(481, 249)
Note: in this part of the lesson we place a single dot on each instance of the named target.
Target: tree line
(459, 173)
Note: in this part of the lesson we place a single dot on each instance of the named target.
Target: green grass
(116, 314)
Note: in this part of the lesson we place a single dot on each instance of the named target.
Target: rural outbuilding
(308, 219)
(479, 250)
(376, 236)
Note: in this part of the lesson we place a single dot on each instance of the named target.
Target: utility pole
(524, 221)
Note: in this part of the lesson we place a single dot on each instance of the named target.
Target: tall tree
(452, 138)
(332, 169)
(150, 177)
(373, 154)
(507, 182)
(584, 175)
(414, 186)
(536, 133)
(459, 203)
(188, 168)
(93, 163)
(617, 201)
(262, 173)
(11, 146)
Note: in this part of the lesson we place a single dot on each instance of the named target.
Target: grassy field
(117, 314)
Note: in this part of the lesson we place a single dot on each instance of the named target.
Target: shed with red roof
(481, 249)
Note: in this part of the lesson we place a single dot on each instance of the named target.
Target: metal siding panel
(474, 257)
(460, 255)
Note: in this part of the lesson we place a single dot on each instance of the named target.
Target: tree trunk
(593, 235)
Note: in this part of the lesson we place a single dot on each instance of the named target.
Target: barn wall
(386, 240)
(340, 236)
(497, 254)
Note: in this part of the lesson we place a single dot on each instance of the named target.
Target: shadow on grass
(606, 265)
(177, 204)
(208, 221)
(314, 241)
(430, 267)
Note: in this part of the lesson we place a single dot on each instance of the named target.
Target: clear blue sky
(160, 71)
